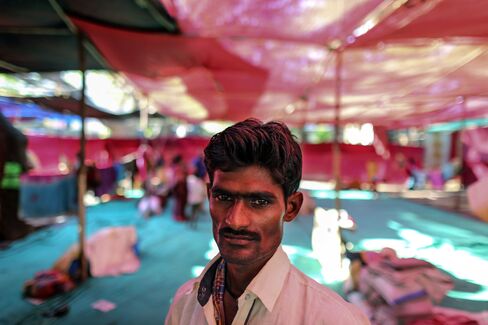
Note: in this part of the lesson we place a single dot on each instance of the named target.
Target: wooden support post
(82, 169)
(336, 151)
(462, 162)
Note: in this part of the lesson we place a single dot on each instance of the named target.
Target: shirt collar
(204, 282)
(266, 285)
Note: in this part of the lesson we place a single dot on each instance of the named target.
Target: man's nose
(238, 215)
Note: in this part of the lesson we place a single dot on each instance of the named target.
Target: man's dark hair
(252, 142)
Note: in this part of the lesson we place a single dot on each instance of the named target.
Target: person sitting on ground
(254, 173)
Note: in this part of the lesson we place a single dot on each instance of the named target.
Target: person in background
(13, 162)
(254, 173)
(199, 166)
(180, 188)
(197, 194)
(163, 176)
(417, 176)
(372, 174)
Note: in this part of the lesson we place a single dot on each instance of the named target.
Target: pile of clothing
(392, 290)
(46, 284)
(109, 252)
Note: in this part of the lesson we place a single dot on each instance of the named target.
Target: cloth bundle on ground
(109, 252)
(47, 284)
(389, 288)
(451, 316)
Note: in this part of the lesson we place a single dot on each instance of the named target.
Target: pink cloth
(478, 204)
(451, 316)
(395, 293)
(416, 307)
(381, 143)
(434, 282)
(481, 317)
(476, 141)
(111, 251)
(436, 179)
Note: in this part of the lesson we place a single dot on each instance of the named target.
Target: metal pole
(82, 170)
(336, 151)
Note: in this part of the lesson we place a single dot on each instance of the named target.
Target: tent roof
(439, 19)
(38, 35)
(63, 105)
(71, 106)
(365, 22)
(405, 63)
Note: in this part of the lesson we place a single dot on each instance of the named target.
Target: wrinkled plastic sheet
(271, 60)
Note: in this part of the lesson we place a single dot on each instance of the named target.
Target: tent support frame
(336, 151)
(82, 170)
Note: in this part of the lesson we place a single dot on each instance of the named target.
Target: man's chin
(238, 256)
(238, 260)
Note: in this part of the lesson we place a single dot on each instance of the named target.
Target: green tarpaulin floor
(172, 253)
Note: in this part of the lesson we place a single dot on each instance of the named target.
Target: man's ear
(293, 205)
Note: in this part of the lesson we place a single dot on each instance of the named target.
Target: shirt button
(204, 289)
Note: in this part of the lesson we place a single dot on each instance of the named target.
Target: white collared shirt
(279, 294)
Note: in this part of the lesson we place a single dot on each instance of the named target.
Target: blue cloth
(119, 171)
(45, 199)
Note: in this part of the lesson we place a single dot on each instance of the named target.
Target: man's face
(248, 209)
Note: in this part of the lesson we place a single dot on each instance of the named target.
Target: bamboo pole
(82, 170)
(460, 155)
(336, 151)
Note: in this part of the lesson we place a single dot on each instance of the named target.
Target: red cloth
(47, 284)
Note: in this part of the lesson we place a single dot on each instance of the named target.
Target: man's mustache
(244, 233)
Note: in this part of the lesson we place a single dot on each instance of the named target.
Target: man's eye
(223, 197)
(259, 202)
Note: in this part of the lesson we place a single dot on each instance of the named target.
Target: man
(13, 162)
(254, 171)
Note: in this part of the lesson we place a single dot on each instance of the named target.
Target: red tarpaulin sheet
(442, 19)
(183, 76)
(317, 158)
(225, 68)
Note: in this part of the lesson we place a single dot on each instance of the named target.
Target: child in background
(196, 196)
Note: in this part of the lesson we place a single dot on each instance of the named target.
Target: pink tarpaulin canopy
(434, 19)
(404, 62)
(182, 75)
